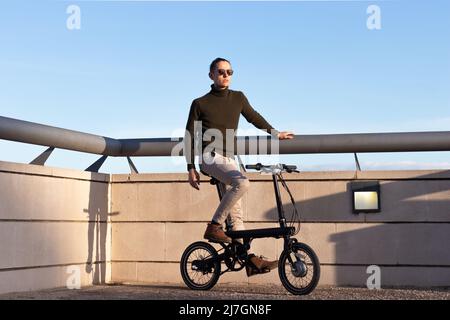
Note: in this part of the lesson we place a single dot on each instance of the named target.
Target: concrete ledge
(35, 197)
(50, 218)
(20, 168)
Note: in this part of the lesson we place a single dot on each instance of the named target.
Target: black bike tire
(282, 272)
(183, 266)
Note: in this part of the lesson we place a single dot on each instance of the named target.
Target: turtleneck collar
(219, 93)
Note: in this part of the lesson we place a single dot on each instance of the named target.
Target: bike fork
(288, 245)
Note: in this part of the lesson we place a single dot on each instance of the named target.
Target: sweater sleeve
(189, 138)
(253, 117)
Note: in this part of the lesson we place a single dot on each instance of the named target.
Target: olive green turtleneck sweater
(220, 109)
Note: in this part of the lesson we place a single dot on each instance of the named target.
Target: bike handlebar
(259, 166)
(253, 166)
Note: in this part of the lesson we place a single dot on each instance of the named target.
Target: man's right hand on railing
(194, 179)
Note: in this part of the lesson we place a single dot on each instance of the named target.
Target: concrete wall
(157, 216)
(135, 227)
(53, 225)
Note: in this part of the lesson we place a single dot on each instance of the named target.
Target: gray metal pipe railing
(33, 133)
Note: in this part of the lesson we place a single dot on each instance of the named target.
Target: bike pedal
(251, 271)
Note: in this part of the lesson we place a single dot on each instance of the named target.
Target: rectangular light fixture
(366, 196)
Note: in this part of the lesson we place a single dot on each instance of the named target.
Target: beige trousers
(233, 182)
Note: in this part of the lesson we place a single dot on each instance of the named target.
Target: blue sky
(134, 67)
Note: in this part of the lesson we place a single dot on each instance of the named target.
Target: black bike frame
(281, 217)
(288, 241)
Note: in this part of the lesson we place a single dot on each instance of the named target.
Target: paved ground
(225, 291)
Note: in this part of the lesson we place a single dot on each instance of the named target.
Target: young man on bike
(219, 110)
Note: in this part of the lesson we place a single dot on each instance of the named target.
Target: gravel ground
(226, 291)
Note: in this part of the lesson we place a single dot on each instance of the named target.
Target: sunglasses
(222, 72)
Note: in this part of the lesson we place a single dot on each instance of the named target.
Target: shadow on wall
(405, 200)
(97, 231)
(407, 239)
(408, 254)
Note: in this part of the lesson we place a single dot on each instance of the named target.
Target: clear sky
(312, 67)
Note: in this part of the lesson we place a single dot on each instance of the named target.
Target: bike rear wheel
(200, 266)
(299, 269)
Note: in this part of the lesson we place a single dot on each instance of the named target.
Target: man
(219, 110)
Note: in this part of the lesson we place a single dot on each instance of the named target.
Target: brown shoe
(214, 233)
(259, 265)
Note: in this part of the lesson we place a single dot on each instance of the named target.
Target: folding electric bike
(298, 265)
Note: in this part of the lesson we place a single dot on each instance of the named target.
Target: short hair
(215, 62)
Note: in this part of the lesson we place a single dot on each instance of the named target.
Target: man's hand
(285, 135)
(194, 179)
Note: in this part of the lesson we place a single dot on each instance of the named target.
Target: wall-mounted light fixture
(366, 196)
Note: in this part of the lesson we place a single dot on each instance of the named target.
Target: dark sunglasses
(222, 72)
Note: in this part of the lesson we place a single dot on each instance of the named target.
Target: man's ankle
(215, 223)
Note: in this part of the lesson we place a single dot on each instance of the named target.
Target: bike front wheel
(299, 269)
(200, 266)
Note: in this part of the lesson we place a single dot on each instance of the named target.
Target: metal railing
(54, 137)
